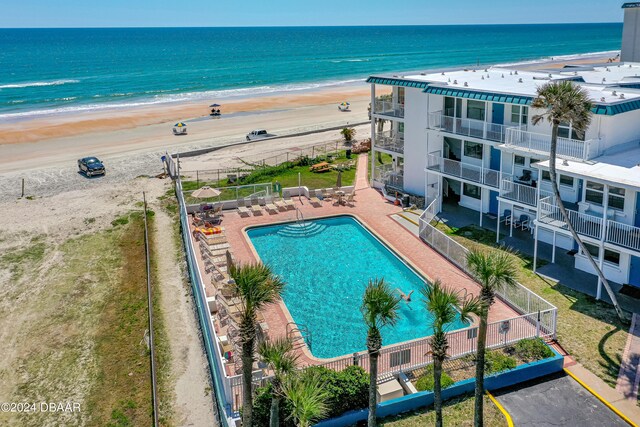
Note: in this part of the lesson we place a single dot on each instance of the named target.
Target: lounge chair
(288, 202)
(350, 199)
(507, 217)
(256, 209)
(269, 206)
(280, 203)
(315, 201)
(327, 195)
(242, 209)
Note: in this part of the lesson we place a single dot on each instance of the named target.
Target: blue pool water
(326, 266)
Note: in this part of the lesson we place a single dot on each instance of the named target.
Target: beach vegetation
(566, 102)
(279, 356)
(256, 287)
(380, 306)
(427, 383)
(492, 271)
(444, 305)
(307, 398)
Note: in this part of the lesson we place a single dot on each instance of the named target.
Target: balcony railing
(615, 233)
(387, 176)
(541, 144)
(518, 192)
(392, 141)
(467, 127)
(457, 169)
(387, 108)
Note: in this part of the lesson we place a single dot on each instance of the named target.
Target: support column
(373, 133)
(535, 248)
(481, 207)
(498, 224)
(553, 249)
(603, 229)
(513, 208)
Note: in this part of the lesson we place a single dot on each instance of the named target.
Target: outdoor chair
(256, 209)
(242, 209)
(523, 222)
(350, 199)
(280, 203)
(507, 217)
(315, 201)
(326, 195)
(269, 206)
(288, 202)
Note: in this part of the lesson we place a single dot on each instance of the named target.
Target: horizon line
(308, 26)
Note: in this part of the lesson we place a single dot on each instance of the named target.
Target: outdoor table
(340, 195)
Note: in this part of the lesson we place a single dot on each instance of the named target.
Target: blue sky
(216, 13)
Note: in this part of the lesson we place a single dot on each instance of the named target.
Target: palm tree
(256, 286)
(566, 102)
(307, 396)
(379, 308)
(492, 270)
(444, 305)
(278, 355)
(348, 134)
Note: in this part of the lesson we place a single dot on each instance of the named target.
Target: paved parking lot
(556, 400)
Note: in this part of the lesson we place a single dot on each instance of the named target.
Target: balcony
(518, 193)
(387, 176)
(541, 144)
(454, 168)
(390, 141)
(615, 233)
(467, 127)
(386, 108)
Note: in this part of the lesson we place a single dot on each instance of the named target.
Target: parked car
(258, 134)
(91, 166)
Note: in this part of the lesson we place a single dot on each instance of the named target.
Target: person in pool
(405, 297)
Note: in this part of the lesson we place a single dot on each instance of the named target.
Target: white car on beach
(258, 134)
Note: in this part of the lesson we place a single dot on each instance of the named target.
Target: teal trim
(481, 96)
(631, 5)
(612, 110)
(397, 82)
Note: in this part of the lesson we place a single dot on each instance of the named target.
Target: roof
(631, 5)
(397, 82)
(483, 96)
(620, 168)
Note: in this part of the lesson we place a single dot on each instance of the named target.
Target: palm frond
(278, 354)
(379, 304)
(563, 102)
(307, 396)
(492, 270)
(256, 285)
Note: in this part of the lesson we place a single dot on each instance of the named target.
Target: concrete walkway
(628, 377)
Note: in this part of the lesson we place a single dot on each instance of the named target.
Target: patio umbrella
(205, 192)
(229, 260)
(339, 182)
(180, 124)
(215, 105)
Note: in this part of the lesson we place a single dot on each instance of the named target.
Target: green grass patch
(426, 383)
(20, 260)
(532, 349)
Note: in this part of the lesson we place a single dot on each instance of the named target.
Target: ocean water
(326, 266)
(45, 71)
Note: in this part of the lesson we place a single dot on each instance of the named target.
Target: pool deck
(375, 213)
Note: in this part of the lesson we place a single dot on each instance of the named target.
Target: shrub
(532, 349)
(348, 389)
(425, 382)
(496, 361)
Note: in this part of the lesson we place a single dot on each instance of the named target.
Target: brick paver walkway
(629, 375)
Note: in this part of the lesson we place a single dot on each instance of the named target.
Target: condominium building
(466, 139)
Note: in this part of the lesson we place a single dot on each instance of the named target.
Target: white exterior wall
(616, 273)
(631, 36)
(415, 140)
(619, 129)
(562, 241)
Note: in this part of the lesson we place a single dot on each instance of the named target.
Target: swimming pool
(326, 265)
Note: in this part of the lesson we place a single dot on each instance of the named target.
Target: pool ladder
(297, 332)
(300, 220)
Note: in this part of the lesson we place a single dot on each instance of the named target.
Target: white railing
(624, 235)
(616, 233)
(520, 298)
(467, 127)
(490, 177)
(387, 108)
(541, 144)
(392, 141)
(518, 192)
(386, 175)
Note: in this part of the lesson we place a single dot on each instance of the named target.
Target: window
(594, 193)
(470, 190)
(475, 110)
(616, 198)
(566, 180)
(532, 161)
(518, 160)
(612, 257)
(473, 149)
(565, 130)
(546, 176)
(593, 250)
(519, 114)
